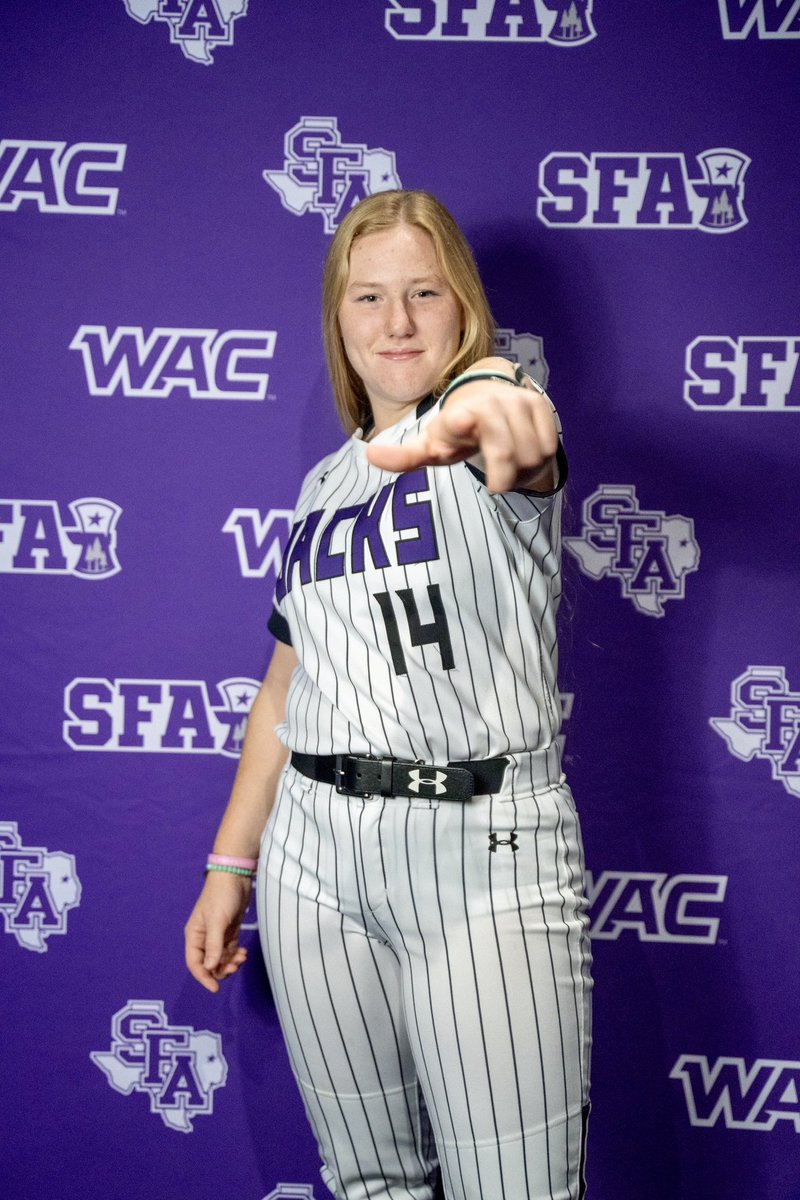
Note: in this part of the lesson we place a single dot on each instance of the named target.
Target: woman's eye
(368, 297)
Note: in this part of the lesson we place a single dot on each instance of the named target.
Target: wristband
(230, 860)
(229, 870)
(471, 376)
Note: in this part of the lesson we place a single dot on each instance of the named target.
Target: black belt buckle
(361, 775)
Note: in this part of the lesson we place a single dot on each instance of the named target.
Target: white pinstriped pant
(429, 984)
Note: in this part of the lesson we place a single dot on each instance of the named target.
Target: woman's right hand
(212, 931)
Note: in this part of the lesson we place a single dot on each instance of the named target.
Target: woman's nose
(399, 322)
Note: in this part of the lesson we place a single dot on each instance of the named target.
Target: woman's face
(400, 320)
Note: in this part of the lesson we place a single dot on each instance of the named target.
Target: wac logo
(179, 1068)
(559, 22)
(325, 175)
(771, 19)
(38, 887)
(650, 553)
(525, 348)
(210, 365)
(728, 1091)
(58, 178)
(197, 26)
(643, 191)
(260, 540)
(764, 723)
(657, 907)
(157, 716)
(749, 374)
(35, 541)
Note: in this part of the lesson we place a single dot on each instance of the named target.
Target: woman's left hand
(511, 427)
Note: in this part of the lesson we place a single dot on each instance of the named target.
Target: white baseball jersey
(422, 609)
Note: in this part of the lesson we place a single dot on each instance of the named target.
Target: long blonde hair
(381, 212)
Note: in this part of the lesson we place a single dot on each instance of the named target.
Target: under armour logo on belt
(495, 841)
(418, 780)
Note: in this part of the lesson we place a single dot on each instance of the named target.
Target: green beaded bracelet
(230, 870)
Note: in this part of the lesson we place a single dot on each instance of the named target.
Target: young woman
(419, 880)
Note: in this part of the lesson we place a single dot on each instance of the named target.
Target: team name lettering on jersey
(394, 527)
(179, 1068)
(768, 19)
(58, 178)
(657, 907)
(643, 191)
(748, 374)
(739, 1096)
(209, 364)
(559, 22)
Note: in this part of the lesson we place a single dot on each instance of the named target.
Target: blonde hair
(381, 212)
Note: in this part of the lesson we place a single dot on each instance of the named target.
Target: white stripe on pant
(409, 959)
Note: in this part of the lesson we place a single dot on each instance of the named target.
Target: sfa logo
(643, 191)
(660, 908)
(559, 22)
(259, 539)
(209, 364)
(650, 553)
(197, 26)
(157, 716)
(764, 723)
(744, 1097)
(177, 1067)
(525, 348)
(751, 374)
(35, 541)
(58, 178)
(771, 19)
(323, 174)
(38, 887)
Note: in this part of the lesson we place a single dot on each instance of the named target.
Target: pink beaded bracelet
(228, 860)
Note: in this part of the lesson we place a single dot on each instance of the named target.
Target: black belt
(358, 775)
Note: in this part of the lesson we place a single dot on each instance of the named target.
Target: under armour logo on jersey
(323, 174)
(650, 553)
(495, 841)
(198, 26)
(417, 780)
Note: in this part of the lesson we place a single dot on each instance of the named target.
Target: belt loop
(386, 787)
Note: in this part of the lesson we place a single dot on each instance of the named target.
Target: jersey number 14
(433, 632)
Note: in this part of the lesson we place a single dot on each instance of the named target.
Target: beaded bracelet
(231, 860)
(230, 870)
(471, 376)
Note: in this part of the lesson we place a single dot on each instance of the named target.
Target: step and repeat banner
(171, 172)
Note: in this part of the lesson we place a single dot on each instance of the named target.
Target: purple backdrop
(170, 175)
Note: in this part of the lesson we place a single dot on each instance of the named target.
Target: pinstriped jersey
(422, 609)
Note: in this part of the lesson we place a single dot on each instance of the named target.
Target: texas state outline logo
(178, 1068)
(643, 190)
(764, 722)
(35, 540)
(557, 22)
(649, 552)
(527, 349)
(38, 887)
(197, 26)
(321, 173)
